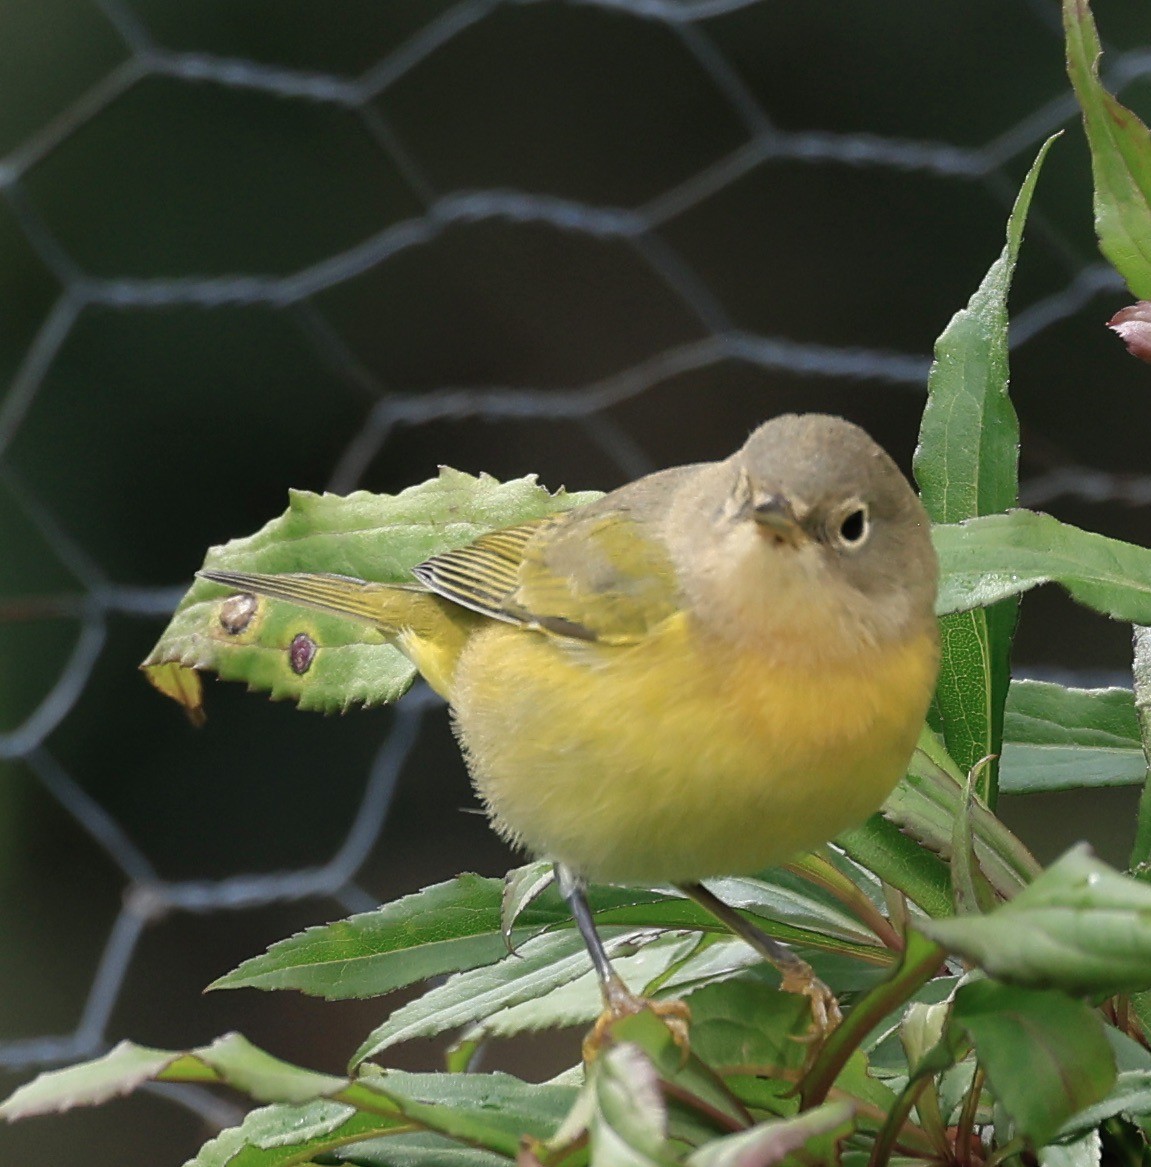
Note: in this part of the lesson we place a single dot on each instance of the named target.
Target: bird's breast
(682, 757)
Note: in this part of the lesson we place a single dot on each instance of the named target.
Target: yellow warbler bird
(705, 672)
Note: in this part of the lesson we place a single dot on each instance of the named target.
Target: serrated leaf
(640, 960)
(1130, 1096)
(779, 896)
(1059, 738)
(521, 886)
(984, 560)
(931, 799)
(493, 1111)
(771, 1142)
(1045, 1054)
(539, 966)
(445, 928)
(1084, 1152)
(1120, 156)
(879, 845)
(368, 536)
(1080, 927)
(967, 464)
(120, 1071)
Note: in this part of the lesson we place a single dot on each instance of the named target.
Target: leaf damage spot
(301, 653)
(236, 612)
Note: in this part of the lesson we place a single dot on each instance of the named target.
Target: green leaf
(1058, 738)
(688, 1080)
(778, 896)
(967, 464)
(771, 1142)
(538, 967)
(370, 536)
(931, 799)
(742, 1027)
(445, 928)
(521, 886)
(1045, 1054)
(120, 1071)
(1130, 1095)
(417, 1150)
(1081, 927)
(1084, 1152)
(879, 845)
(983, 560)
(642, 964)
(281, 1134)
(493, 1111)
(1120, 156)
(628, 1127)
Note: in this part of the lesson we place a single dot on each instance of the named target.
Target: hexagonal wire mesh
(270, 245)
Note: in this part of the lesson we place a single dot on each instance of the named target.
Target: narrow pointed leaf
(1120, 156)
(879, 845)
(493, 1111)
(280, 1134)
(983, 560)
(444, 928)
(1081, 927)
(539, 966)
(1045, 1054)
(417, 1150)
(967, 464)
(120, 1071)
(641, 963)
(929, 801)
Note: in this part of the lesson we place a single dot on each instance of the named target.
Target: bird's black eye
(854, 527)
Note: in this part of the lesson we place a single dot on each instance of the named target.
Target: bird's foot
(798, 977)
(620, 1002)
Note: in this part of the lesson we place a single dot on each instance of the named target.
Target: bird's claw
(620, 1002)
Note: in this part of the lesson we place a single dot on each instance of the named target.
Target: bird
(705, 672)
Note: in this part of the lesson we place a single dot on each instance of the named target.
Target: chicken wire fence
(222, 232)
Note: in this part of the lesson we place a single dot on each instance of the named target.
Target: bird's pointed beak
(775, 516)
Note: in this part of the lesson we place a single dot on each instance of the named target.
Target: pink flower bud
(1133, 324)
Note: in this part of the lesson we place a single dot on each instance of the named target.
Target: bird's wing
(591, 574)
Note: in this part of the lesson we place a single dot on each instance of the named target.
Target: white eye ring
(854, 526)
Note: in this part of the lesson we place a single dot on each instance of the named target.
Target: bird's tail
(430, 630)
(373, 603)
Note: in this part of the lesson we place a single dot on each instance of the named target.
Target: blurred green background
(247, 246)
